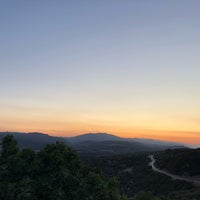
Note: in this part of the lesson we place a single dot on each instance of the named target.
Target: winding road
(193, 180)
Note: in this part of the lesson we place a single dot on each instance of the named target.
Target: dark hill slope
(53, 173)
(34, 141)
(97, 137)
(113, 147)
(98, 143)
(103, 143)
(180, 161)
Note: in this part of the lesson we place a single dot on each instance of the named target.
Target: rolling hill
(92, 143)
(34, 140)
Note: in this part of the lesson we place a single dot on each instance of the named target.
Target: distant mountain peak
(38, 133)
(94, 137)
(99, 134)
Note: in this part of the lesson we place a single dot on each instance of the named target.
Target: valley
(193, 180)
(129, 163)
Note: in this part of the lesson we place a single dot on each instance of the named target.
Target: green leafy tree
(54, 173)
(9, 147)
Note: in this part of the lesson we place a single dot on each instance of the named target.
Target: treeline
(180, 161)
(57, 173)
(135, 175)
(54, 173)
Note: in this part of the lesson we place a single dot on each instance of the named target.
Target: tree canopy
(54, 173)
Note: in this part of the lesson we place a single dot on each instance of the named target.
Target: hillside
(92, 143)
(103, 143)
(135, 175)
(54, 173)
(34, 140)
(97, 137)
(113, 147)
(180, 161)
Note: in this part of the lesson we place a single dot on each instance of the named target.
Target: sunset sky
(126, 67)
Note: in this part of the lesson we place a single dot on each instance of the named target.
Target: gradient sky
(130, 68)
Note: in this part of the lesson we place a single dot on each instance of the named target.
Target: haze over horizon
(130, 68)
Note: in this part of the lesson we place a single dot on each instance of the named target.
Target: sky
(130, 68)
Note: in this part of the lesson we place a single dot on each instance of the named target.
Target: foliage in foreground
(57, 173)
(54, 173)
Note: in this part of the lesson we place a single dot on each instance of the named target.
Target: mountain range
(93, 143)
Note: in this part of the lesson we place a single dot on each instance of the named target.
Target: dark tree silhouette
(54, 173)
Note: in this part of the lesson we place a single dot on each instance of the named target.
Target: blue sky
(95, 65)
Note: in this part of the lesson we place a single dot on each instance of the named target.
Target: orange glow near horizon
(186, 137)
(133, 74)
(153, 125)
